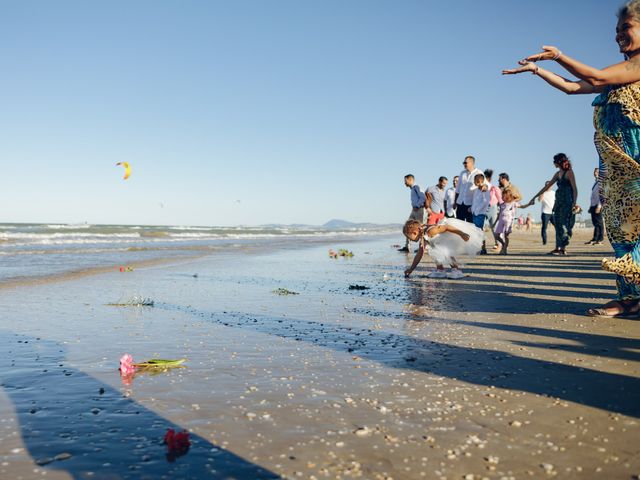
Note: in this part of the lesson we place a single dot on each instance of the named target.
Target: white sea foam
(16, 236)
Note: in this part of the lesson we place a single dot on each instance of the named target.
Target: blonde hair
(411, 225)
(514, 192)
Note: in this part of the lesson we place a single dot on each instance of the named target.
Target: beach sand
(497, 375)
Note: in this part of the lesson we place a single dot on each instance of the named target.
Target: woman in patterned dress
(617, 140)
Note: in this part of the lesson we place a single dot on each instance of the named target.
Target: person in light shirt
(494, 205)
(480, 205)
(596, 213)
(464, 191)
(435, 201)
(450, 199)
(417, 204)
(547, 200)
(480, 202)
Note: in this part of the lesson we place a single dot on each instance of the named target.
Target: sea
(30, 251)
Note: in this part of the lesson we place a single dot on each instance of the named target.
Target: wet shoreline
(497, 375)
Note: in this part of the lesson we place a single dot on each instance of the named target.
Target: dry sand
(498, 375)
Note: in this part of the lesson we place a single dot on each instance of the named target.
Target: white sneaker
(437, 274)
(455, 274)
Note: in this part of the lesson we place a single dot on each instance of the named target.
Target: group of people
(617, 141)
(462, 211)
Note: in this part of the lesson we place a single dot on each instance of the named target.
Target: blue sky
(252, 112)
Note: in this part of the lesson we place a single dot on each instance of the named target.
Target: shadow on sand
(62, 410)
(585, 344)
(593, 388)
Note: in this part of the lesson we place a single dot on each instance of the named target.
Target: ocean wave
(32, 236)
(65, 226)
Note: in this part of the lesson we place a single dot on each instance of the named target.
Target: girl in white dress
(443, 242)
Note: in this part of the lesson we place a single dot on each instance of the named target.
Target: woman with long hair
(565, 205)
(617, 140)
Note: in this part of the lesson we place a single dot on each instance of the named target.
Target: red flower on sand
(177, 443)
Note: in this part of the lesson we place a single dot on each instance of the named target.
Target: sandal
(625, 313)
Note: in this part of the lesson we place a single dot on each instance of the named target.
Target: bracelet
(557, 55)
(535, 72)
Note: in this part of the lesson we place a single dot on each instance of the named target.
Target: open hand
(548, 53)
(526, 67)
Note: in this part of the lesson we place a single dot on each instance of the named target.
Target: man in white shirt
(547, 201)
(464, 191)
(450, 199)
(596, 213)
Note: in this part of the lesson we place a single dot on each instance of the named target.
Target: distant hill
(334, 224)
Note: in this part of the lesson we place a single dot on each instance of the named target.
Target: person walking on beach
(450, 199)
(464, 191)
(547, 200)
(480, 205)
(565, 205)
(417, 204)
(596, 213)
(435, 201)
(506, 217)
(617, 140)
(495, 200)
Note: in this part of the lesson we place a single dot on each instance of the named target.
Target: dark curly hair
(561, 160)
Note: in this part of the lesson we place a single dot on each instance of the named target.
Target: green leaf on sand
(161, 363)
(284, 291)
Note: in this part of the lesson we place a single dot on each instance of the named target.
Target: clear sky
(282, 111)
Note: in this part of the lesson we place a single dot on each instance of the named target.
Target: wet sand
(497, 375)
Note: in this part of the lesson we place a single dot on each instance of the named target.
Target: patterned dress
(617, 140)
(563, 217)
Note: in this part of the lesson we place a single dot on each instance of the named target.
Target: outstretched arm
(544, 189)
(416, 260)
(438, 229)
(567, 86)
(618, 74)
(572, 180)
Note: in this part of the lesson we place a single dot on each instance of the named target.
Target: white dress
(446, 245)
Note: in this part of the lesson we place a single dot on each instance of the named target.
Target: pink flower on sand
(126, 365)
